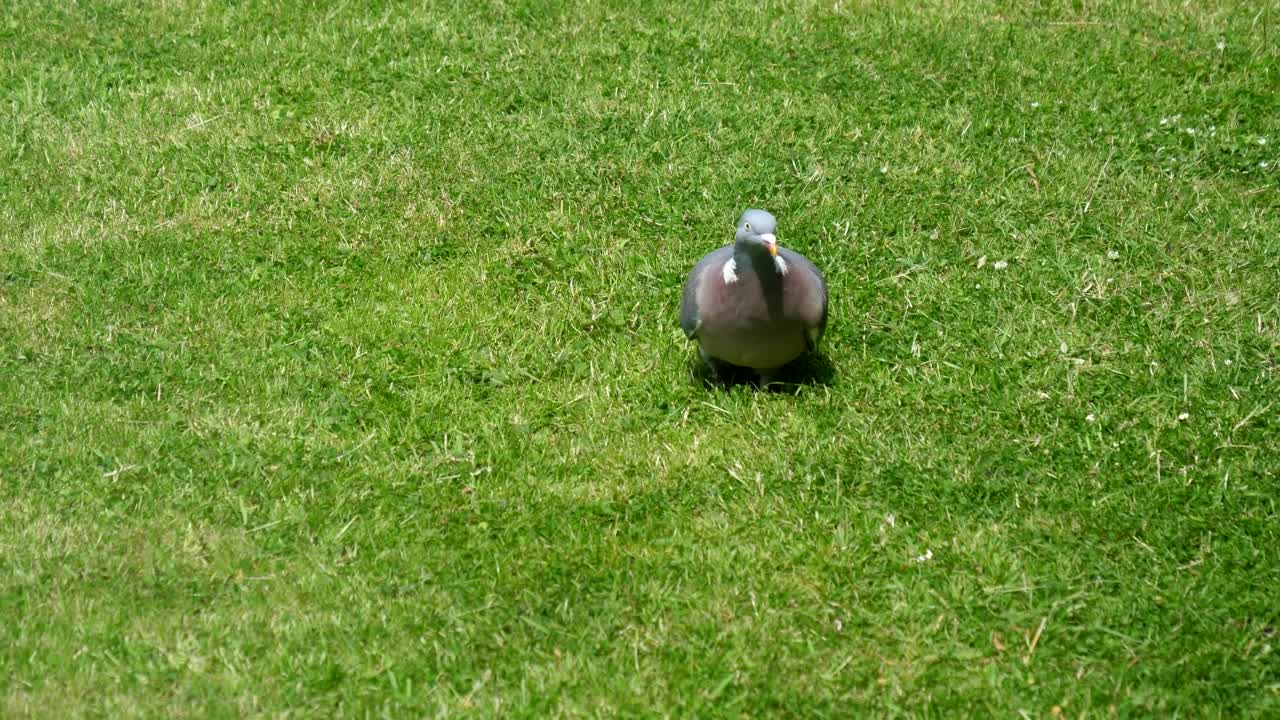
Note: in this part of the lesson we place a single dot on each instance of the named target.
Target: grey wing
(803, 263)
(689, 318)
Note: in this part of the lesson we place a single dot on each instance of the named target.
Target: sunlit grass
(340, 371)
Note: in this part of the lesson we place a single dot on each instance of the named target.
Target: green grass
(340, 371)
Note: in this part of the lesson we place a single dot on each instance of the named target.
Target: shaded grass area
(340, 373)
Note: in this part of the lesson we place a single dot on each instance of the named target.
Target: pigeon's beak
(771, 243)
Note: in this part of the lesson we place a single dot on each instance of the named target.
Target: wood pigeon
(753, 304)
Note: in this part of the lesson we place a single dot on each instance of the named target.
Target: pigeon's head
(755, 228)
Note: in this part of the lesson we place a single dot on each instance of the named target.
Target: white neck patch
(730, 272)
(781, 264)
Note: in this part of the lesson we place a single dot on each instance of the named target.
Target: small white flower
(1090, 417)
(1062, 347)
(1035, 104)
(1000, 264)
(926, 557)
(1191, 131)
(1183, 416)
(1262, 141)
(884, 169)
(1264, 164)
(1226, 362)
(1222, 45)
(1113, 255)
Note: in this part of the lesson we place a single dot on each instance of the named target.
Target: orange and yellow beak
(771, 243)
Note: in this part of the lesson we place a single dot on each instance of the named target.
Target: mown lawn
(340, 372)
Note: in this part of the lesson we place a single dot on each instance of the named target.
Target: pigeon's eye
(747, 227)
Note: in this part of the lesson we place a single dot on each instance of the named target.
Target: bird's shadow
(810, 369)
